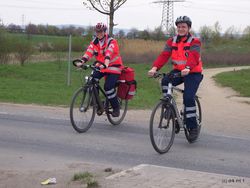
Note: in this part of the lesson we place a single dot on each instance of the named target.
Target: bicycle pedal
(99, 112)
(165, 127)
(108, 112)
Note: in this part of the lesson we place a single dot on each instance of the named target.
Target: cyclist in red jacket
(184, 51)
(106, 50)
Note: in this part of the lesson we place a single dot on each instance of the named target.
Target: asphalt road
(37, 142)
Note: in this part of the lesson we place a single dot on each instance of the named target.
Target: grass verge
(87, 178)
(238, 80)
(46, 84)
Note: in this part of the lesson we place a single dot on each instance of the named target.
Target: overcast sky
(140, 14)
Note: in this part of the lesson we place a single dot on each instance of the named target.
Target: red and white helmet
(100, 27)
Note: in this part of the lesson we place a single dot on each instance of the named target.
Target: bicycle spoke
(162, 128)
(82, 113)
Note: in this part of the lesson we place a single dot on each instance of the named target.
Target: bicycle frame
(95, 88)
(170, 98)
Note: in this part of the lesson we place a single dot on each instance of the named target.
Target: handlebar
(169, 75)
(77, 61)
(85, 66)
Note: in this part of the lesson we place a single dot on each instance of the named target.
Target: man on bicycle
(106, 51)
(184, 51)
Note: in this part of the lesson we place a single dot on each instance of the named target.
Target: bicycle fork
(100, 105)
(179, 116)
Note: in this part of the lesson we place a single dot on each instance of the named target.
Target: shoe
(193, 135)
(116, 112)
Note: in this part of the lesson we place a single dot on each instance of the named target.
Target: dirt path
(224, 112)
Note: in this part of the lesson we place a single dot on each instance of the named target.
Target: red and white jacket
(184, 52)
(107, 48)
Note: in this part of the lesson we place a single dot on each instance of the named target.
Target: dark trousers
(191, 85)
(109, 87)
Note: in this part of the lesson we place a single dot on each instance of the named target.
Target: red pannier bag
(126, 84)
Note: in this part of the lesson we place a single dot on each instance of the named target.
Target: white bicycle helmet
(183, 19)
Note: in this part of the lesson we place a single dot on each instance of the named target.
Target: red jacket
(105, 49)
(185, 52)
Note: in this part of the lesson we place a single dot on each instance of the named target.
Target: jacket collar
(183, 38)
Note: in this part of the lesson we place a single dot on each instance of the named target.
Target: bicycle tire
(199, 119)
(82, 110)
(162, 126)
(123, 112)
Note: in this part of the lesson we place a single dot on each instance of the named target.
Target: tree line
(46, 30)
(22, 48)
(206, 33)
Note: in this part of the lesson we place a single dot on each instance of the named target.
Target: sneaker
(193, 135)
(116, 112)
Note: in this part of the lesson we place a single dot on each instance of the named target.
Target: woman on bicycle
(184, 51)
(106, 51)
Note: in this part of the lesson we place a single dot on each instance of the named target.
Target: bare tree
(107, 7)
(23, 50)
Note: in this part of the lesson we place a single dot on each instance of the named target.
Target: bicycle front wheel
(82, 110)
(198, 114)
(123, 111)
(162, 127)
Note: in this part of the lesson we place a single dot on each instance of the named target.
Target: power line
(167, 20)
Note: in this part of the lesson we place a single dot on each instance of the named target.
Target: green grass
(238, 80)
(33, 83)
(35, 39)
(46, 84)
(85, 177)
(48, 43)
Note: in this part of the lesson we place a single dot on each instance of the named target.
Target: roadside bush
(246, 33)
(140, 51)
(60, 46)
(4, 47)
(23, 50)
(225, 59)
(78, 44)
(44, 47)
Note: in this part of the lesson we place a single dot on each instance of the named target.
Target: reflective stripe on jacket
(108, 50)
(185, 52)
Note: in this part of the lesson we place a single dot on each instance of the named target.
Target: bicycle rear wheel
(162, 127)
(82, 110)
(198, 118)
(123, 111)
